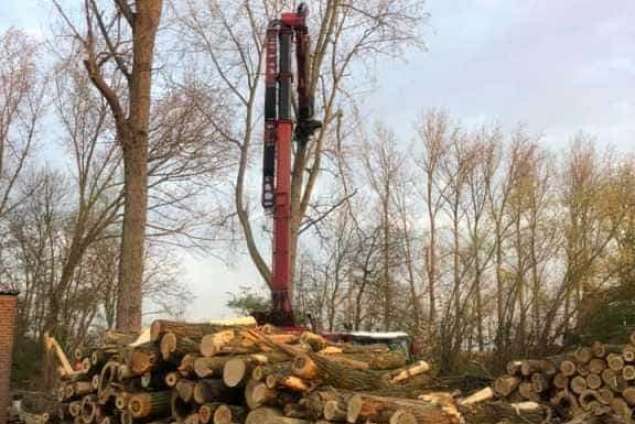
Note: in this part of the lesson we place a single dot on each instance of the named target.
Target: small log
(527, 392)
(154, 380)
(75, 408)
(144, 359)
(180, 408)
(258, 394)
(594, 381)
(583, 355)
(560, 381)
(228, 414)
(94, 382)
(566, 400)
(186, 367)
(568, 368)
(304, 367)
(172, 378)
(629, 395)
(586, 399)
(407, 373)
(628, 372)
(212, 344)
(121, 401)
(621, 408)
(334, 410)
(514, 367)
(606, 395)
(479, 396)
(380, 409)
(583, 369)
(206, 412)
(628, 353)
(214, 390)
(315, 341)
(124, 373)
(236, 371)
(119, 338)
(540, 382)
(83, 388)
(506, 384)
(530, 366)
(508, 413)
(271, 416)
(615, 361)
(208, 367)
(578, 384)
(154, 404)
(599, 349)
(597, 365)
(174, 348)
(89, 408)
(185, 389)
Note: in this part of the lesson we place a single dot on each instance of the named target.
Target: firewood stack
(592, 381)
(203, 373)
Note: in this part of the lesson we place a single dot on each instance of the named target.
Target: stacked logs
(207, 374)
(591, 381)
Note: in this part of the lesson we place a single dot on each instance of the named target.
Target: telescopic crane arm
(279, 131)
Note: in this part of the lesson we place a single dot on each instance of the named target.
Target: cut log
(334, 410)
(75, 408)
(404, 374)
(629, 395)
(514, 367)
(628, 372)
(172, 378)
(578, 384)
(182, 329)
(206, 412)
(540, 382)
(583, 355)
(606, 395)
(185, 389)
(271, 416)
(527, 392)
(174, 348)
(380, 409)
(560, 381)
(621, 408)
(123, 373)
(88, 408)
(257, 394)
(212, 344)
(598, 348)
(121, 401)
(594, 381)
(597, 365)
(479, 396)
(228, 414)
(186, 368)
(314, 341)
(615, 361)
(144, 359)
(506, 384)
(152, 404)
(236, 371)
(586, 399)
(208, 367)
(628, 353)
(568, 368)
(180, 408)
(213, 390)
(508, 413)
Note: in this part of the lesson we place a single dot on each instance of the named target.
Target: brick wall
(7, 323)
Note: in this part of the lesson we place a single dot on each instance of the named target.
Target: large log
(508, 413)
(208, 367)
(364, 407)
(214, 390)
(257, 394)
(151, 404)
(271, 416)
(228, 414)
(206, 411)
(185, 389)
(144, 359)
(182, 329)
(212, 344)
(174, 348)
(506, 384)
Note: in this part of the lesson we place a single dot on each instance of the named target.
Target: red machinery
(279, 131)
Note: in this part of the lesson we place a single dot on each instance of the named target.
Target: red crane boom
(278, 135)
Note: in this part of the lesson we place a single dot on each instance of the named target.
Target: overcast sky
(556, 66)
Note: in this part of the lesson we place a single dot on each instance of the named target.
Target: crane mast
(278, 136)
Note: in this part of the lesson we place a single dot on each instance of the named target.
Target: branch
(312, 222)
(125, 11)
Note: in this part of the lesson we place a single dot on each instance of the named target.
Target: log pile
(207, 374)
(596, 382)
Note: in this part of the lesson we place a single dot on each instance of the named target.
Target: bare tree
(228, 37)
(107, 37)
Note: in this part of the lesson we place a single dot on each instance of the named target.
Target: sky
(558, 67)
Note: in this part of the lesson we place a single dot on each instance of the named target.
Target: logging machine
(279, 133)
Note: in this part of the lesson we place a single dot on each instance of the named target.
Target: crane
(279, 133)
